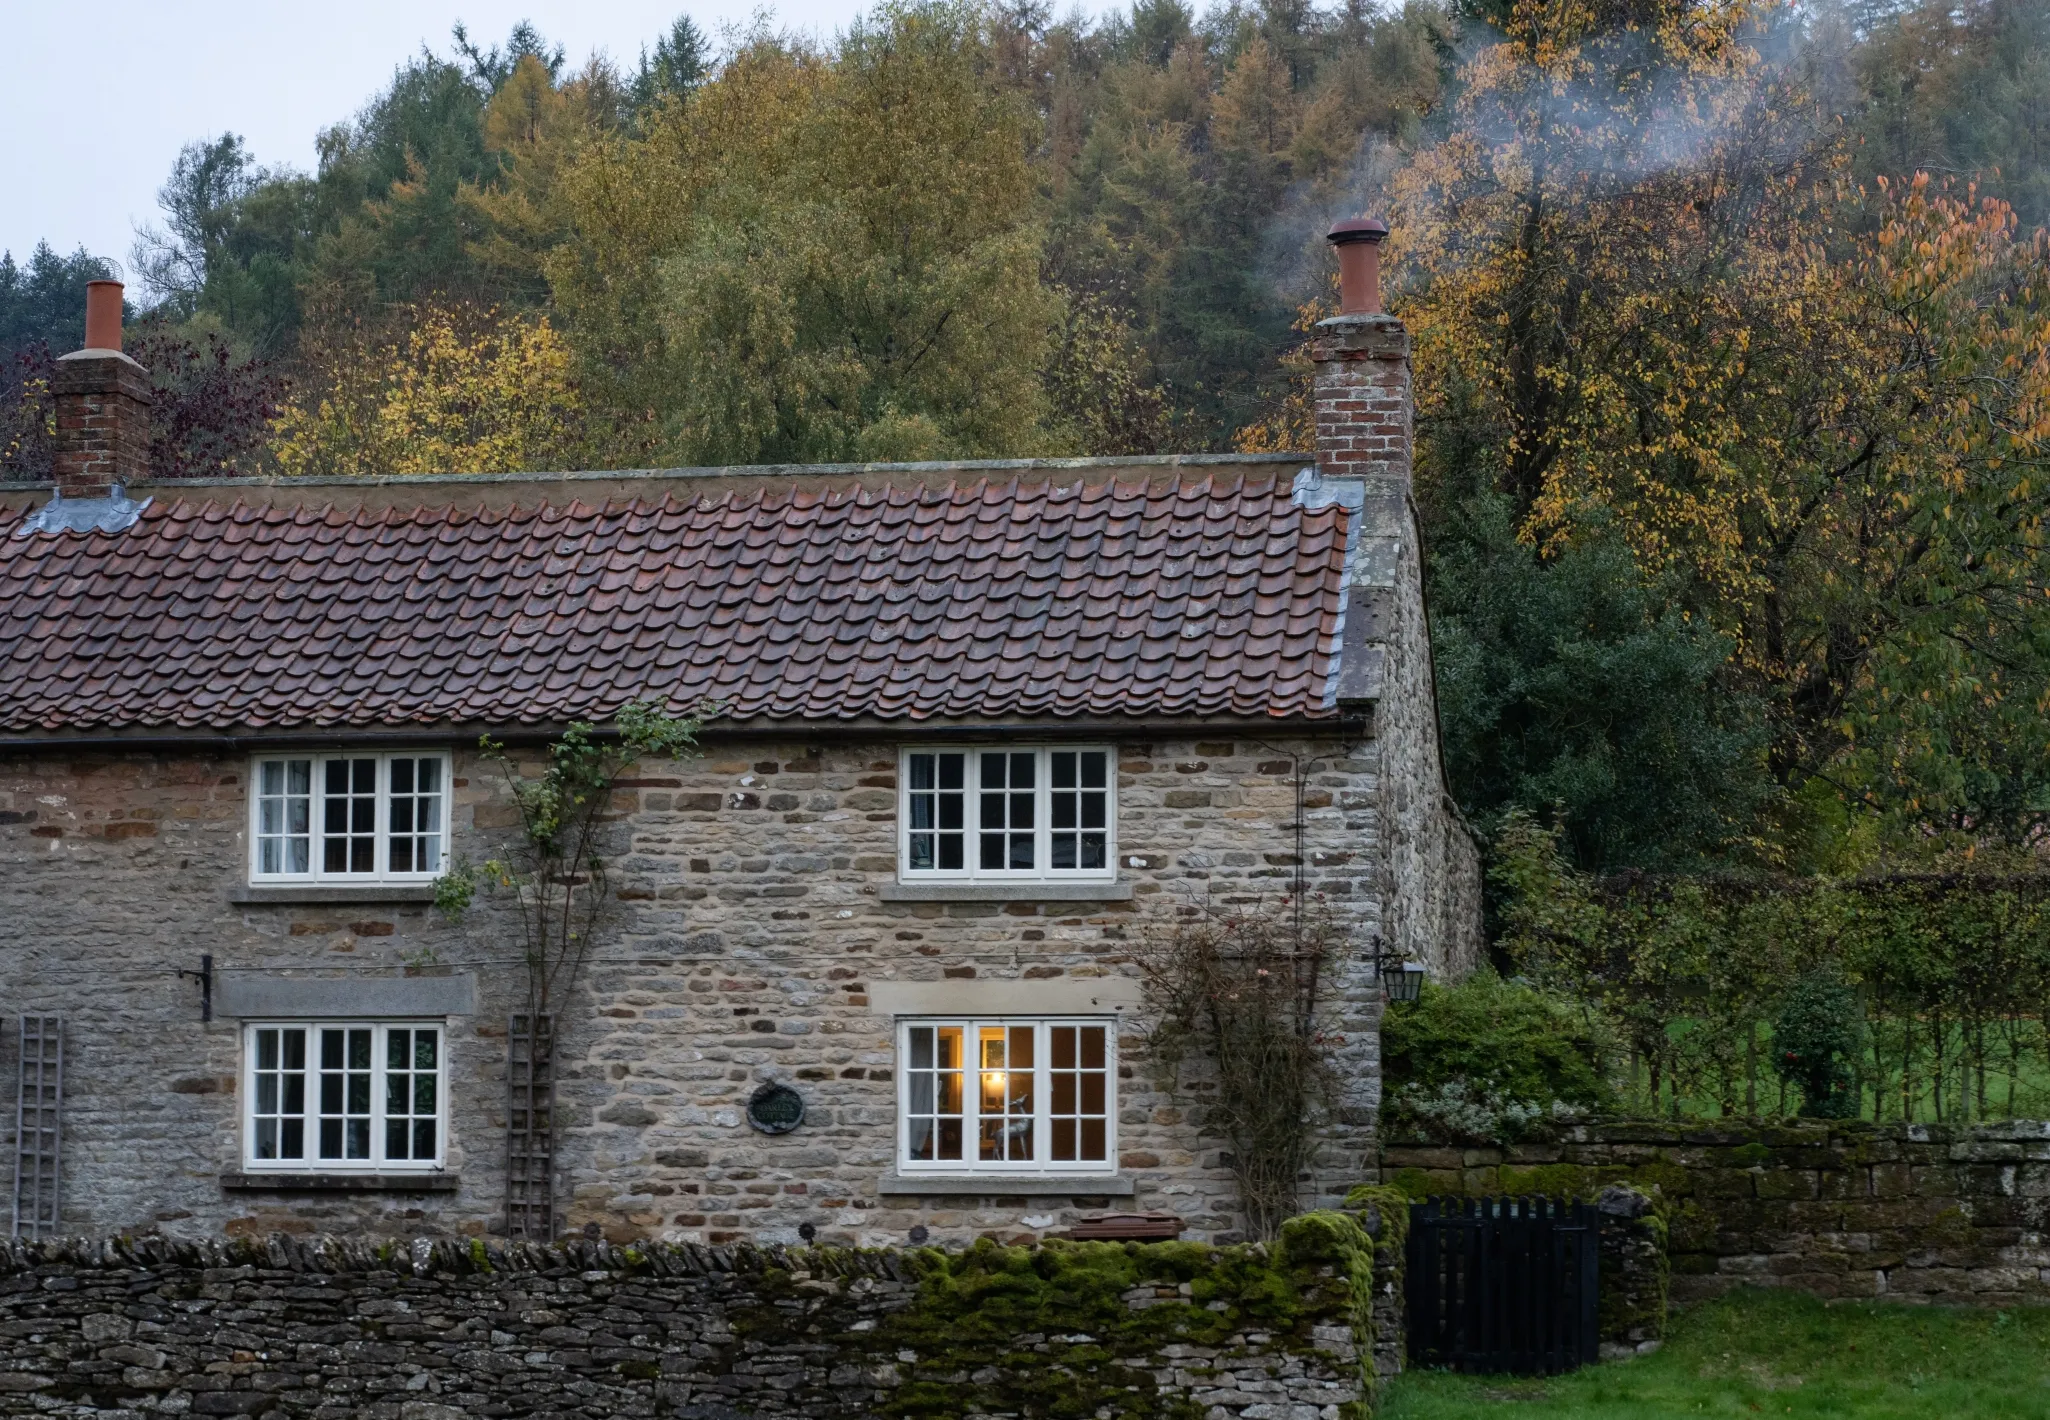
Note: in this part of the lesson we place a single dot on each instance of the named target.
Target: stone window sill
(344, 1182)
(988, 1185)
(1005, 892)
(334, 893)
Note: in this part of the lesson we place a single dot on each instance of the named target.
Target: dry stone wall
(1840, 1209)
(443, 1331)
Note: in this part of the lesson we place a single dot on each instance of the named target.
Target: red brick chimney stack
(103, 403)
(1362, 360)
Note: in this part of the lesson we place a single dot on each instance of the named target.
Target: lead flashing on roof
(116, 512)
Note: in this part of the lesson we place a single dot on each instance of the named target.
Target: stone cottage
(977, 725)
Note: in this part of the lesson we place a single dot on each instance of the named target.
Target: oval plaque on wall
(775, 1109)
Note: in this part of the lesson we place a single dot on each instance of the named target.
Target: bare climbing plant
(1240, 986)
(555, 872)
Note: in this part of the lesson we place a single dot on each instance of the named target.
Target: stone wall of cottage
(1365, 438)
(752, 926)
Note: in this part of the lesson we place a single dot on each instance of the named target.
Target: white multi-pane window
(1008, 814)
(1007, 1096)
(354, 1095)
(349, 817)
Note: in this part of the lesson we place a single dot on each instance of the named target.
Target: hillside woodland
(1732, 341)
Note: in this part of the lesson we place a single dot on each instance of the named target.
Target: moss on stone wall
(1384, 1216)
(1059, 1331)
(1073, 1329)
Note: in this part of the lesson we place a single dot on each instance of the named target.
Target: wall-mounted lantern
(1401, 978)
(1403, 981)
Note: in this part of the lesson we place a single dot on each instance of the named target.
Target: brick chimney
(1362, 368)
(103, 403)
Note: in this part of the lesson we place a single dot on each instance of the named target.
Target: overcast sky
(97, 99)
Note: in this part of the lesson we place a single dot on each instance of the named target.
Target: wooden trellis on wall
(530, 1128)
(38, 1126)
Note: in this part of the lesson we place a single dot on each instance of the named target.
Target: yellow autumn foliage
(1644, 291)
(458, 392)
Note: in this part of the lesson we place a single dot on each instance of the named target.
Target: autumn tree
(1942, 565)
(1650, 305)
(1942, 87)
(1099, 395)
(453, 390)
(821, 257)
(1195, 174)
(212, 410)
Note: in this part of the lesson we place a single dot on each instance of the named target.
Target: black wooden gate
(1503, 1285)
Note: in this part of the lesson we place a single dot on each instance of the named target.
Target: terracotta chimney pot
(103, 315)
(1358, 240)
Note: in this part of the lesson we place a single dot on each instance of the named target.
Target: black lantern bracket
(205, 977)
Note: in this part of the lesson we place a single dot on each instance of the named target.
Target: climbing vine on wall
(1241, 990)
(555, 872)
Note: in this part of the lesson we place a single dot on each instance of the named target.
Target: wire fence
(1916, 997)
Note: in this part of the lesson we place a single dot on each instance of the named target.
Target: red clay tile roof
(1191, 595)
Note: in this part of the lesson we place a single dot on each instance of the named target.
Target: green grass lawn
(1779, 1353)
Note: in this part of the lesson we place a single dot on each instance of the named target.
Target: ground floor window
(351, 1095)
(1007, 1095)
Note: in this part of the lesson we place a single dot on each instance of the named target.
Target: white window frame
(319, 760)
(1042, 820)
(310, 1161)
(1042, 1164)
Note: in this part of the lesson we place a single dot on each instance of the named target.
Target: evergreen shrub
(1490, 1061)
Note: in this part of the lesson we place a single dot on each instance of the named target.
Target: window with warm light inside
(348, 818)
(1007, 1096)
(354, 1096)
(1008, 815)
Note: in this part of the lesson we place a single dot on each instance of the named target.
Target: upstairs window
(351, 1096)
(1004, 815)
(345, 818)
